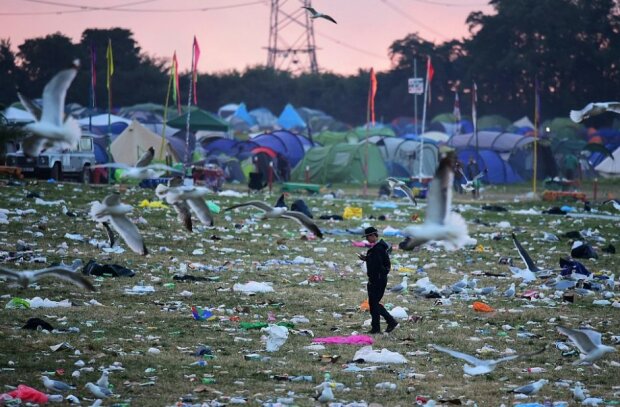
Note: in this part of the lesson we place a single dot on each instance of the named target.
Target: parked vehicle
(58, 164)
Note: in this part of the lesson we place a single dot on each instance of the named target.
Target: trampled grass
(121, 331)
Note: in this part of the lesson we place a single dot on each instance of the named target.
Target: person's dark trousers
(375, 293)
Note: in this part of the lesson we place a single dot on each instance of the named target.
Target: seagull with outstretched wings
(27, 277)
(400, 185)
(315, 14)
(593, 109)
(52, 128)
(111, 211)
(440, 224)
(185, 200)
(269, 212)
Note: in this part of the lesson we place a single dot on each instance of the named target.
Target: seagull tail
(73, 132)
(459, 235)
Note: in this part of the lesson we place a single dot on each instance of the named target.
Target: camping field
(148, 341)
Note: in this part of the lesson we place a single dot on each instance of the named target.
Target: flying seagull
(27, 277)
(531, 388)
(398, 184)
(441, 224)
(186, 200)
(479, 366)
(52, 128)
(593, 109)
(112, 211)
(315, 14)
(469, 185)
(279, 212)
(614, 202)
(139, 173)
(589, 343)
(146, 158)
(531, 271)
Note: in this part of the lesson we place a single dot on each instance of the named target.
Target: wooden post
(307, 174)
(270, 177)
(594, 189)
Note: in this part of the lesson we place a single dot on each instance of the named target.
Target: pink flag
(195, 68)
(372, 92)
(176, 90)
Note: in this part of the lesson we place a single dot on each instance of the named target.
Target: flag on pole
(195, 68)
(430, 72)
(474, 100)
(372, 91)
(176, 90)
(93, 74)
(110, 60)
(457, 112)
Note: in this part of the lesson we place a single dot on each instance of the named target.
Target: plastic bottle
(386, 386)
(536, 370)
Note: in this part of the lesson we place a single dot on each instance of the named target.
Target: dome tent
(342, 163)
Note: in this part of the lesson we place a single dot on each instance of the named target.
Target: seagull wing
(256, 204)
(112, 200)
(161, 167)
(66, 274)
(311, 10)
(10, 274)
(30, 106)
(146, 158)
(531, 266)
(113, 165)
(527, 389)
(440, 193)
(130, 233)
(593, 109)
(200, 208)
(183, 214)
(304, 221)
(54, 95)
(407, 191)
(459, 355)
(460, 170)
(328, 18)
(579, 338)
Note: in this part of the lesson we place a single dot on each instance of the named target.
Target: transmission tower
(291, 37)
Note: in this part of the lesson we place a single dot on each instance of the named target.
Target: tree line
(570, 47)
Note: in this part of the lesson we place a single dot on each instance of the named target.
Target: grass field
(124, 328)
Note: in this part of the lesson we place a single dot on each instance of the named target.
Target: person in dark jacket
(378, 266)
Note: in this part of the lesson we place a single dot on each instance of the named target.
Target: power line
(413, 20)
(121, 8)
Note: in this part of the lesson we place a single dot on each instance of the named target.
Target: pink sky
(235, 38)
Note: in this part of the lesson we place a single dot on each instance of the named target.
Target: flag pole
(474, 114)
(415, 95)
(426, 85)
(536, 123)
(163, 130)
(110, 72)
(92, 87)
(189, 105)
(366, 143)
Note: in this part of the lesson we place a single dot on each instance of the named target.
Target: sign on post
(415, 86)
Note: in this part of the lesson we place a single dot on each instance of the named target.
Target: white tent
(129, 146)
(610, 167)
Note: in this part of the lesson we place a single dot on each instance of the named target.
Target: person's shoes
(391, 327)
(374, 331)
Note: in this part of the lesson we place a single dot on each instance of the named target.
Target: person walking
(378, 266)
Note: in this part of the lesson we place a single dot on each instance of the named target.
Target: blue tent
(290, 145)
(242, 113)
(499, 171)
(290, 119)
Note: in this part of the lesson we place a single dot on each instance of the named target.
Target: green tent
(199, 120)
(493, 122)
(335, 137)
(342, 163)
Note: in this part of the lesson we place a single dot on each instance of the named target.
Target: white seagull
(139, 173)
(99, 392)
(27, 277)
(531, 388)
(52, 128)
(279, 212)
(184, 200)
(112, 211)
(55, 385)
(614, 202)
(593, 109)
(316, 14)
(469, 185)
(588, 342)
(400, 288)
(103, 380)
(531, 270)
(511, 291)
(479, 366)
(441, 224)
(400, 185)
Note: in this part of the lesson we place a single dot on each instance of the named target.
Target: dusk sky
(233, 34)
